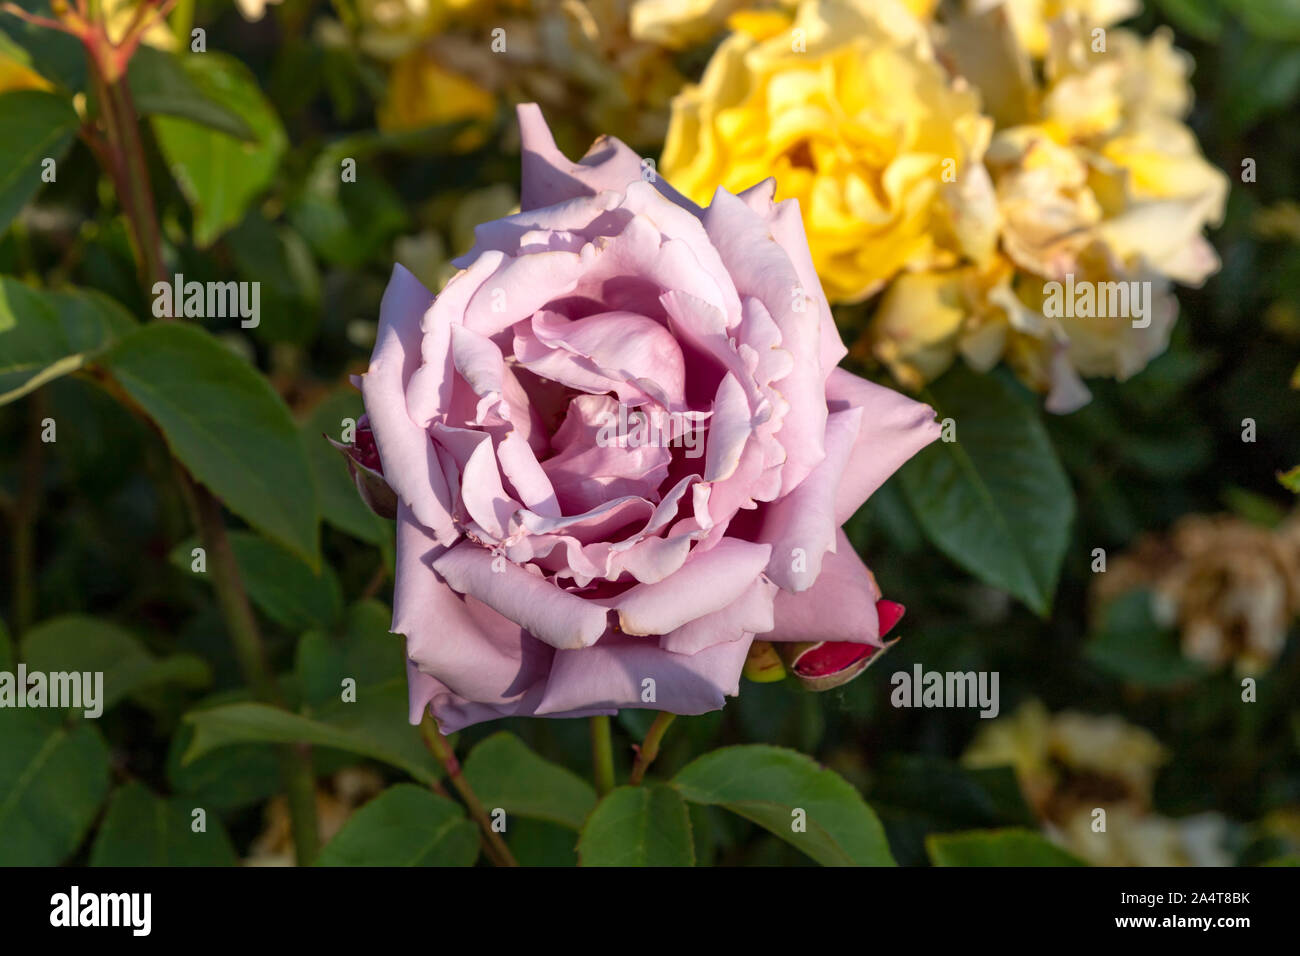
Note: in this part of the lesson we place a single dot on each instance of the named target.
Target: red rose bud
(367, 470)
(823, 665)
(763, 664)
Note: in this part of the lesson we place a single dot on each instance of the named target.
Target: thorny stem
(438, 745)
(649, 749)
(602, 755)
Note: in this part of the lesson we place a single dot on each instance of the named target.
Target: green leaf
(221, 174)
(278, 581)
(57, 56)
(404, 826)
(34, 126)
(53, 779)
(996, 500)
(638, 826)
(375, 661)
(142, 829)
(162, 86)
(226, 424)
(47, 334)
(1275, 19)
(346, 223)
(340, 503)
(366, 652)
(1203, 19)
(75, 642)
(262, 723)
(770, 785)
(1011, 847)
(505, 773)
(1132, 646)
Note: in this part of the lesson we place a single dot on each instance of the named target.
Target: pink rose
(621, 448)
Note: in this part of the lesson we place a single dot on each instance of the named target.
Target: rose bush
(544, 571)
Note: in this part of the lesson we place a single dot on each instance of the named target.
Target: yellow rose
(1030, 19)
(421, 93)
(863, 127)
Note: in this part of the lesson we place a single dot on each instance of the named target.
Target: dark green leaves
(405, 825)
(279, 582)
(52, 781)
(505, 773)
(47, 334)
(221, 174)
(143, 829)
(996, 500)
(34, 126)
(1133, 647)
(226, 424)
(75, 642)
(638, 826)
(161, 85)
(262, 723)
(789, 795)
(1012, 847)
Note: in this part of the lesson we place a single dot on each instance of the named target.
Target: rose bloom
(1095, 177)
(847, 106)
(542, 570)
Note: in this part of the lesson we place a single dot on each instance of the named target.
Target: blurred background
(1123, 690)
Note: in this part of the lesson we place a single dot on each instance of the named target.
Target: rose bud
(823, 665)
(367, 470)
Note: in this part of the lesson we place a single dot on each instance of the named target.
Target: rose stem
(602, 755)
(440, 747)
(649, 749)
(128, 168)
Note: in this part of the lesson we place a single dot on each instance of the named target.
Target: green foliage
(47, 334)
(404, 826)
(996, 500)
(143, 829)
(34, 126)
(997, 848)
(226, 425)
(638, 826)
(787, 794)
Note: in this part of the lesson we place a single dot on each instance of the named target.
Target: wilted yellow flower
(853, 115)
(1231, 587)
(1098, 183)
(1030, 18)
(1070, 765)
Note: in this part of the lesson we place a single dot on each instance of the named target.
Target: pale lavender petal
(840, 606)
(707, 582)
(616, 671)
(546, 612)
(894, 428)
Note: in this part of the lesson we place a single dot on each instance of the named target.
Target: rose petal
(410, 460)
(840, 606)
(893, 429)
(613, 673)
(549, 614)
(707, 582)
